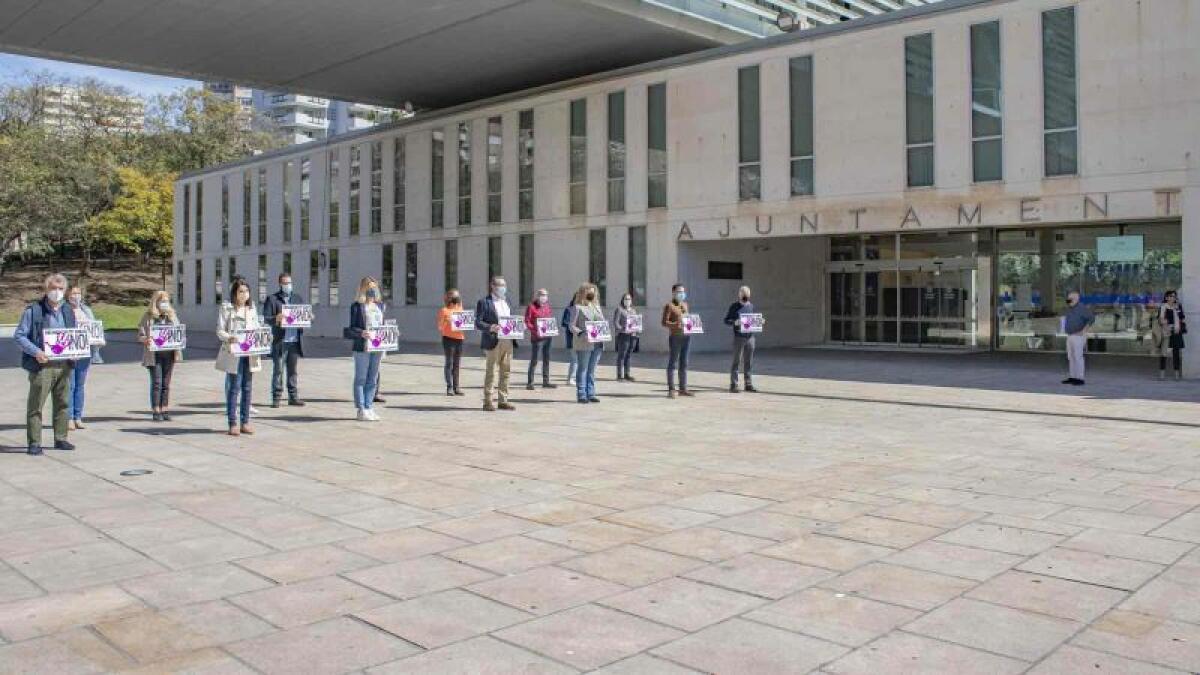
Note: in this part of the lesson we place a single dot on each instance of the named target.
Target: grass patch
(115, 317)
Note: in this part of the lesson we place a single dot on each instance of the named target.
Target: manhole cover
(136, 472)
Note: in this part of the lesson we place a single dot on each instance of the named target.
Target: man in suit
(287, 347)
(499, 351)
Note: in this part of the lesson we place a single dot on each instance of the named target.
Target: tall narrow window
(288, 224)
(616, 152)
(749, 136)
(800, 89)
(495, 257)
(187, 217)
(287, 263)
(218, 281)
(918, 109)
(179, 281)
(398, 155)
(451, 267)
(224, 211)
(437, 179)
(987, 126)
(262, 206)
(387, 277)
(334, 195)
(495, 170)
(377, 187)
(637, 264)
(598, 261)
(656, 146)
(410, 273)
(355, 185)
(464, 173)
(578, 159)
(305, 198)
(199, 216)
(314, 277)
(198, 286)
(1059, 105)
(262, 278)
(334, 281)
(525, 166)
(525, 267)
(247, 212)
(233, 273)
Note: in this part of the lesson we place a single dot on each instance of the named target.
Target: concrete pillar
(1189, 295)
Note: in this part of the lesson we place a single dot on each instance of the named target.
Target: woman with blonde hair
(160, 364)
(587, 352)
(240, 314)
(366, 314)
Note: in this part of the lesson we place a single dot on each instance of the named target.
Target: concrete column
(509, 166)
(1189, 295)
(550, 161)
(597, 153)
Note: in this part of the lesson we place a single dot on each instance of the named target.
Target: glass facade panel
(616, 152)
(224, 211)
(495, 168)
(247, 211)
(199, 216)
(525, 166)
(577, 179)
(305, 198)
(464, 173)
(387, 275)
(410, 273)
(287, 224)
(918, 86)
(987, 124)
(262, 278)
(334, 281)
(437, 178)
(355, 185)
(637, 264)
(749, 135)
(1059, 104)
(525, 267)
(800, 83)
(451, 264)
(656, 146)
(187, 217)
(398, 177)
(598, 261)
(314, 277)
(333, 196)
(377, 187)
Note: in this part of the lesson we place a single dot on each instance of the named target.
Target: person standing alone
(743, 343)
(678, 342)
(46, 378)
(287, 347)
(1075, 324)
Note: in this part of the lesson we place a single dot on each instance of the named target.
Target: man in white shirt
(488, 312)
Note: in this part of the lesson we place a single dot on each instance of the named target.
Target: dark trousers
(289, 358)
(625, 342)
(542, 347)
(743, 350)
(1176, 359)
(679, 345)
(160, 380)
(452, 349)
(48, 382)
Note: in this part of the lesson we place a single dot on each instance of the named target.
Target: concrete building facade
(937, 177)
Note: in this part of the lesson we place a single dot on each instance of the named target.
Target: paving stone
(882, 531)
(484, 526)
(769, 525)
(1168, 598)
(1093, 500)
(480, 656)
(1070, 659)
(73, 567)
(683, 604)
(1092, 568)
(1047, 526)
(644, 664)
(418, 576)
(210, 661)
(387, 518)
(1144, 638)
(306, 563)
(932, 515)
(1013, 506)
(511, 554)
(309, 601)
(828, 552)
(27, 541)
(622, 498)
(720, 503)
(14, 586)
(738, 646)
(706, 543)
(333, 646)
(994, 628)
(47, 614)
(546, 590)
(918, 655)
(158, 634)
(441, 618)
(959, 561)
(817, 508)
(588, 637)
(1108, 520)
(205, 551)
(199, 584)
(557, 511)
(1000, 538)
(632, 565)
(77, 651)
(402, 544)
(836, 617)
(1048, 595)
(591, 535)
(659, 518)
(900, 585)
(1123, 545)
(760, 575)
(1183, 528)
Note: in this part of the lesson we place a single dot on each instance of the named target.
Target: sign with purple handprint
(750, 323)
(95, 331)
(385, 338)
(168, 338)
(597, 331)
(633, 323)
(251, 342)
(297, 316)
(66, 344)
(464, 320)
(511, 328)
(547, 326)
(692, 325)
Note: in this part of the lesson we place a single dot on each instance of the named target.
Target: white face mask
(627, 302)
(164, 307)
(55, 295)
(543, 298)
(501, 291)
(287, 288)
(76, 300)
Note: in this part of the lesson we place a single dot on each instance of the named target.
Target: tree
(140, 220)
(194, 129)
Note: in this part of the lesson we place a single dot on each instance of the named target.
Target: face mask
(745, 298)
(680, 296)
(164, 307)
(542, 299)
(76, 300)
(455, 300)
(287, 288)
(500, 291)
(627, 302)
(590, 297)
(55, 295)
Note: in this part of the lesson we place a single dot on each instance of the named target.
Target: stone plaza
(866, 513)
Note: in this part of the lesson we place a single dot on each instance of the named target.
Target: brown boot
(685, 392)
(247, 429)
(671, 393)
(233, 431)
(507, 406)
(489, 406)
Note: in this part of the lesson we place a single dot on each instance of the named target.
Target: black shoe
(296, 402)
(629, 378)
(548, 385)
(157, 417)
(459, 392)
(34, 449)
(530, 386)
(449, 391)
(593, 400)
(581, 400)
(274, 403)
(1078, 383)
(1069, 380)
(64, 445)
(378, 399)
(733, 389)
(166, 417)
(750, 388)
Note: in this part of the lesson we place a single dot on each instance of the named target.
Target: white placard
(251, 342)
(547, 326)
(464, 320)
(511, 328)
(385, 338)
(297, 316)
(95, 331)
(750, 323)
(692, 325)
(167, 337)
(633, 323)
(597, 331)
(66, 344)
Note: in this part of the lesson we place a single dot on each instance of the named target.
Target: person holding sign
(48, 376)
(366, 315)
(452, 341)
(537, 317)
(589, 342)
(629, 330)
(78, 378)
(287, 347)
(743, 340)
(488, 312)
(679, 341)
(233, 319)
(160, 363)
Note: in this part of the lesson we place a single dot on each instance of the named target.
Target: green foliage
(139, 220)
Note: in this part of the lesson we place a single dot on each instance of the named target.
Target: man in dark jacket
(47, 378)
(287, 346)
(743, 342)
(498, 351)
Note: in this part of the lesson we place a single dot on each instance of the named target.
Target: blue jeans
(679, 355)
(366, 378)
(237, 387)
(76, 381)
(585, 378)
(572, 362)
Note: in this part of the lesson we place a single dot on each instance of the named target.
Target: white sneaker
(373, 416)
(362, 416)
(254, 411)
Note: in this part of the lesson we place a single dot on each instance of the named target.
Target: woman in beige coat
(587, 352)
(161, 364)
(239, 370)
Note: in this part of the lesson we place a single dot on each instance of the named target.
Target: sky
(13, 67)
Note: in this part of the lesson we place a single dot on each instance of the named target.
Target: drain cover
(137, 472)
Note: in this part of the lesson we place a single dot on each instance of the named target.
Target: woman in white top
(366, 314)
(239, 370)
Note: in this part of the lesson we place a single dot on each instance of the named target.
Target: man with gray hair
(46, 378)
(743, 342)
(1075, 324)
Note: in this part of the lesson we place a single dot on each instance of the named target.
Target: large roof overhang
(432, 53)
